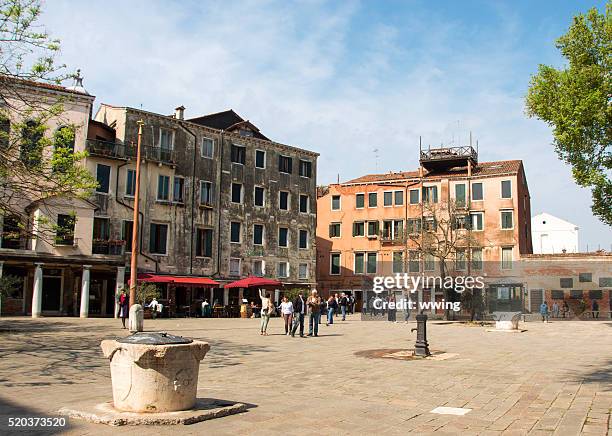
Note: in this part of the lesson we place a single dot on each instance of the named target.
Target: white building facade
(552, 235)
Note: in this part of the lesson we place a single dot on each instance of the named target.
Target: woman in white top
(287, 311)
(266, 310)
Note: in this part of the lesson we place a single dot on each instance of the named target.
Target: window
(557, 294)
(260, 159)
(413, 225)
(303, 271)
(506, 189)
(163, 187)
(359, 201)
(238, 154)
(283, 270)
(506, 261)
(259, 196)
(204, 243)
(206, 196)
(387, 229)
(101, 229)
(158, 238)
(506, 219)
(335, 202)
(127, 231)
(179, 188)
(398, 262)
(285, 164)
(234, 266)
(304, 203)
(398, 229)
(595, 294)
(371, 263)
(387, 199)
(476, 258)
(283, 237)
(235, 236)
(372, 199)
(373, 228)
(566, 282)
(305, 168)
(259, 268)
(605, 282)
(359, 263)
(303, 241)
(585, 277)
(207, 147)
(430, 224)
(103, 178)
(30, 152)
(576, 294)
(237, 193)
(166, 139)
(414, 196)
(477, 193)
(258, 234)
(460, 194)
(358, 228)
(413, 262)
(130, 183)
(477, 219)
(430, 194)
(429, 263)
(64, 234)
(334, 264)
(399, 198)
(334, 230)
(460, 263)
(283, 200)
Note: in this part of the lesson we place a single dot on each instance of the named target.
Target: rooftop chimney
(179, 112)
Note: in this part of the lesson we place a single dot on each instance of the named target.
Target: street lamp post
(134, 260)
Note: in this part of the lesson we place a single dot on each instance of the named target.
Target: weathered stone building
(218, 199)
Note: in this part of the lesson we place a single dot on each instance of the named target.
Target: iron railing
(109, 247)
(449, 153)
(122, 151)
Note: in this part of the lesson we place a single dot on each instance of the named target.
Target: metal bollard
(421, 347)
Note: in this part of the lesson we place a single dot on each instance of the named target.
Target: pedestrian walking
(314, 308)
(267, 308)
(555, 310)
(343, 305)
(323, 309)
(299, 310)
(124, 306)
(595, 309)
(154, 306)
(544, 311)
(287, 312)
(391, 314)
(566, 309)
(332, 304)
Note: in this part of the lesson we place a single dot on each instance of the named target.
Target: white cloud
(322, 76)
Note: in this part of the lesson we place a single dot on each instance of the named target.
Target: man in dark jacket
(343, 304)
(299, 310)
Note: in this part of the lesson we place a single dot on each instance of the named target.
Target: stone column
(120, 283)
(37, 293)
(1, 267)
(240, 295)
(225, 297)
(85, 292)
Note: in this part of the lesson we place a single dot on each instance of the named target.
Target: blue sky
(342, 78)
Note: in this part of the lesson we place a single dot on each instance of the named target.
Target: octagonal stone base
(204, 409)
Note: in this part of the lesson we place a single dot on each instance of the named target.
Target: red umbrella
(253, 282)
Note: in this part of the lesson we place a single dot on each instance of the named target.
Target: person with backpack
(343, 305)
(332, 306)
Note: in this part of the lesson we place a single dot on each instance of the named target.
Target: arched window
(31, 146)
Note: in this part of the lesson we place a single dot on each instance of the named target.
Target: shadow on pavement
(9, 409)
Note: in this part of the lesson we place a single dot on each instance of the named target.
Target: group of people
(563, 310)
(294, 312)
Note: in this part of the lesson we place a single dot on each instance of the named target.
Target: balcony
(158, 154)
(65, 241)
(435, 159)
(386, 238)
(108, 149)
(108, 247)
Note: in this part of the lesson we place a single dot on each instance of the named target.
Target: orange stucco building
(365, 226)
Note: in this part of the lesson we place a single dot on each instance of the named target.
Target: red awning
(253, 282)
(156, 278)
(202, 281)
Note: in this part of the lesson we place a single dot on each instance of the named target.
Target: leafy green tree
(35, 163)
(576, 101)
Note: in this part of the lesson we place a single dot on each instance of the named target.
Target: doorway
(52, 293)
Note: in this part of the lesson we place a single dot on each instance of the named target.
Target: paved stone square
(555, 378)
